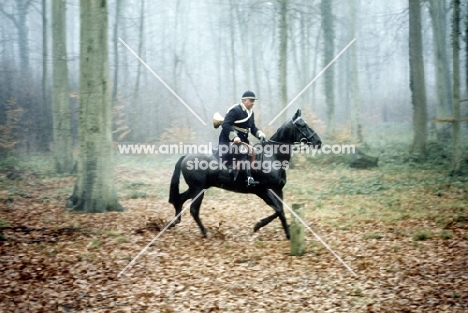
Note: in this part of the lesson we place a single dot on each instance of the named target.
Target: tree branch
(10, 16)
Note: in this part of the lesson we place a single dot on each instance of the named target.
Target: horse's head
(303, 133)
(296, 130)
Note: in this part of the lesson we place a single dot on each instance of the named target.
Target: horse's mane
(283, 133)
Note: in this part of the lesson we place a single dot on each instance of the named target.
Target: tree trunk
(61, 100)
(283, 55)
(328, 55)
(23, 34)
(94, 189)
(42, 111)
(233, 46)
(115, 82)
(417, 83)
(24, 100)
(305, 49)
(356, 127)
(466, 50)
(298, 62)
(244, 47)
(456, 88)
(219, 53)
(20, 20)
(257, 59)
(315, 64)
(136, 93)
(443, 95)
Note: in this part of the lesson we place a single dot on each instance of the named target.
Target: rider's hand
(261, 136)
(236, 140)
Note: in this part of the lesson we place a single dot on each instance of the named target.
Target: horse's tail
(174, 189)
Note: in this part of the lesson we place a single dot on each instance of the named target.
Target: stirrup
(251, 181)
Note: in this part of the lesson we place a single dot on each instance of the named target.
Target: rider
(237, 124)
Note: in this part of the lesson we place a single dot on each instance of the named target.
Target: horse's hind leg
(277, 205)
(265, 221)
(195, 208)
(178, 207)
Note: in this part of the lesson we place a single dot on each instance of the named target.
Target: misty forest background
(209, 52)
(71, 91)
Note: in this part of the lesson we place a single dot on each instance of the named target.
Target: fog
(209, 52)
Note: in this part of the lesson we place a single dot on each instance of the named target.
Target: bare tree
(443, 96)
(327, 56)
(456, 154)
(42, 109)
(233, 46)
(20, 20)
(356, 126)
(242, 17)
(94, 189)
(115, 82)
(283, 53)
(417, 83)
(466, 49)
(61, 100)
(136, 92)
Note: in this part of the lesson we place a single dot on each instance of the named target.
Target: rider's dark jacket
(238, 122)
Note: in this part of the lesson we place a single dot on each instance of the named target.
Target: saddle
(235, 164)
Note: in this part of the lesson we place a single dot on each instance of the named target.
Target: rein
(295, 128)
(269, 141)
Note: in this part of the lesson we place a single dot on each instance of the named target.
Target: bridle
(296, 128)
(304, 139)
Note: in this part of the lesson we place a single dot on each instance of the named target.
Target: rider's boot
(245, 163)
(250, 180)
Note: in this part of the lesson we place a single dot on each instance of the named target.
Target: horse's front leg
(271, 198)
(284, 223)
(265, 221)
(278, 207)
(174, 222)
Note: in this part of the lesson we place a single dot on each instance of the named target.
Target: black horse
(269, 170)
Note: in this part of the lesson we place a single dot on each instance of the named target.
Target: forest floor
(401, 227)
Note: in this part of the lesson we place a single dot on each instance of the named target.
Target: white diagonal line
(162, 81)
(160, 233)
(313, 233)
(313, 80)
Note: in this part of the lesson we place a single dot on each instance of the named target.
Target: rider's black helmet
(249, 95)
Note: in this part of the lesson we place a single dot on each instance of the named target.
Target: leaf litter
(55, 260)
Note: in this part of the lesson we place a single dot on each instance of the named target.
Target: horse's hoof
(256, 227)
(173, 224)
